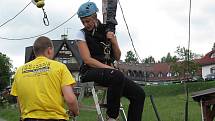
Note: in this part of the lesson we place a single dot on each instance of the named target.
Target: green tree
(150, 59)
(186, 66)
(182, 54)
(5, 70)
(169, 58)
(130, 57)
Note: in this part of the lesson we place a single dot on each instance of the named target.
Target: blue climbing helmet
(87, 9)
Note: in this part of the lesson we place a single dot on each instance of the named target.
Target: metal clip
(45, 18)
(107, 49)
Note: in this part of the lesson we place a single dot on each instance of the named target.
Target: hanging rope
(15, 15)
(132, 42)
(24, 38)
(45, 18)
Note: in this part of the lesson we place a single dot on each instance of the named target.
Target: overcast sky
(157, 26)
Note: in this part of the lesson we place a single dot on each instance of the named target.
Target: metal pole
(202, 114)
(188, 61)
(186, 104)
(154, 107)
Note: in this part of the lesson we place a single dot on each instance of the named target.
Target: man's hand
(71, 99)
(71, 114)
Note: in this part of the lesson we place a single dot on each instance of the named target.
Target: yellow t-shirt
(38, 86)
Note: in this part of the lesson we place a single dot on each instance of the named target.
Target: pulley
(38, 3)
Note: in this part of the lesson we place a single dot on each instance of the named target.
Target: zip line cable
(15, 15)
(24, 38)
(132, 42)
(188, 65)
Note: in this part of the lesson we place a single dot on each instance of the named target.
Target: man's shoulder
(56, 63)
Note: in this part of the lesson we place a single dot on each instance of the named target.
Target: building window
(130, 73)
(140, 74)
(136, 74)
(145, 74)
(160, 74)
(213, 55)
(213, 70)
(176, 74)
(151, 74)
(169, 74)
(65, 56)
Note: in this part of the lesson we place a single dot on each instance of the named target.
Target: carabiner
(45, 18)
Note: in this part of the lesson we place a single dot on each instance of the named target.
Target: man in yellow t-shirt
(42, 85)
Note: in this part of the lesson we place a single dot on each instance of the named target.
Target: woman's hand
(111, 36)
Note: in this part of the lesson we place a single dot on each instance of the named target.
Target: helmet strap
(95, 26)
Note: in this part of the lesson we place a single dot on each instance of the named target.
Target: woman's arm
(85, 55)
(116, 50)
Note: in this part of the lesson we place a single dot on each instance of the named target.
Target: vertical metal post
(154, 107)
(122, 112)
(188, 61)
(187, 100)
(96, 100)
(201, 103)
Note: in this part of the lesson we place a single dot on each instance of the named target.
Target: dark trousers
(118, 86)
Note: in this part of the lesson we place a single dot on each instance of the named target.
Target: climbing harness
(107, 49)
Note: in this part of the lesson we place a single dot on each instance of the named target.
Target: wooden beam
(104, 10)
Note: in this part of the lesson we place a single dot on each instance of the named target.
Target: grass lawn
(169, 99)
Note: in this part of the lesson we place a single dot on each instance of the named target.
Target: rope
(24, 38)
(15, 15)
(132, 42)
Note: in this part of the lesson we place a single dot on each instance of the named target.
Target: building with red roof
(208, 64)
(161, 72)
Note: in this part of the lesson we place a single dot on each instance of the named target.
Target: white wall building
(208, 63)
(207, 70)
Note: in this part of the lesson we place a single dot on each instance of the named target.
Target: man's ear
(49, 50)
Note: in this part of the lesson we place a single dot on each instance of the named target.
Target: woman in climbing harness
(99, 49)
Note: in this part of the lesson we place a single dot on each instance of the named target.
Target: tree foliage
(186, 66)
(150, 59)
(184, 54)
(5, 70)
(130, 57)
(169, 59)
